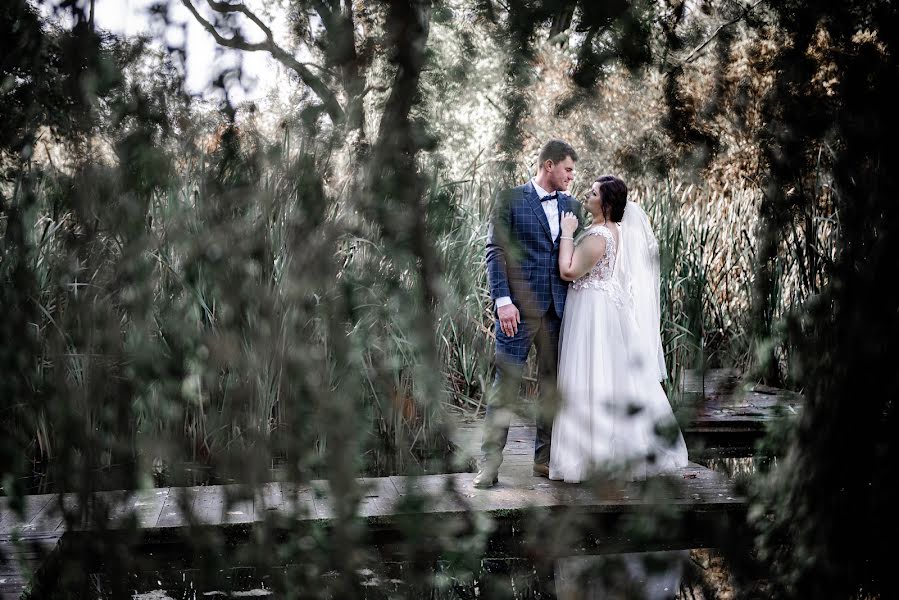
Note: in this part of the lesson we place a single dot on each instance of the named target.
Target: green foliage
(845, 338)
(188, 298)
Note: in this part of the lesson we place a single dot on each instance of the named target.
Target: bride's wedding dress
(614, 414)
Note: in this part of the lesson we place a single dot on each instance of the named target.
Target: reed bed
(707, 241)
(205, 330)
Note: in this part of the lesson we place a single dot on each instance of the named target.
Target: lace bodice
(600, 276)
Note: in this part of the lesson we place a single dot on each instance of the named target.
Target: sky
(205, 59)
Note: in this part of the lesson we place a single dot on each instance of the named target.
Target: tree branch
(238, 42)
(341, 52)
(227, 7)
(695, 53)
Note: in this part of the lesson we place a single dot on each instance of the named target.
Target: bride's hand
(569, 223)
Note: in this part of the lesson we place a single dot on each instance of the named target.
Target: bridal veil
(638, 273)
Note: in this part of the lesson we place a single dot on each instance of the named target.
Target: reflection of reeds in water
(649, 575)
(689, 574)
(739, 466)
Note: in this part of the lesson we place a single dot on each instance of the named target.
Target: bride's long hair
(613, 193)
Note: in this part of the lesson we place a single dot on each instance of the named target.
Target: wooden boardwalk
(724, 402)
(730, 415)
(29, 539)
(726, 416)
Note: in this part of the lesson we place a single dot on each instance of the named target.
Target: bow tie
(553, 196)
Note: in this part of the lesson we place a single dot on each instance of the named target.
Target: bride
(614, 414)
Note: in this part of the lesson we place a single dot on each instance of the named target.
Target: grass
(707, 243)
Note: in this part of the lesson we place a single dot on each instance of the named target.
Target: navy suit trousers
(511, 355)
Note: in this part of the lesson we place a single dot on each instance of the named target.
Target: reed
(218, 308)
(707, 244)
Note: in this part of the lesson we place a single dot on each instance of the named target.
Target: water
(737, 467)
(672, 574)
(612, 566)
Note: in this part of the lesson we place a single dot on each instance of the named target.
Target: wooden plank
(690, 486)
(725, 399)
(269, 501)
(224, 504)
(44, 512)
(148, 505)
(65, 504)
(728, 411)
(378, 498)
(524, 461)
(22, 560)
(523, 419)
(518, 490)
(33, 505)
(13, 585)
(432, 493)
(284, 499)
(319, 490)
(237, 504)
(714, 381)
(520, 440)
(172, 513)
(113, 504)
(48, 518)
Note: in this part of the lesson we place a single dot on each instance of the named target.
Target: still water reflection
(637, 575)
(647, 575)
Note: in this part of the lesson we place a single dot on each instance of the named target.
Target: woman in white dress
(614, 415)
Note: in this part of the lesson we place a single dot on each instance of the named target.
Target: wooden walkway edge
(27, 540)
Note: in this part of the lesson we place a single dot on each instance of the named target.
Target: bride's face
(593, 201)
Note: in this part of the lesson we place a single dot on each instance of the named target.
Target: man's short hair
(556, 151)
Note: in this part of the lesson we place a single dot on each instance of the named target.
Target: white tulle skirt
(614, 415)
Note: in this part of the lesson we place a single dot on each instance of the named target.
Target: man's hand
(509, 318)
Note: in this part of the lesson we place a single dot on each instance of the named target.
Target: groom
(529, 297)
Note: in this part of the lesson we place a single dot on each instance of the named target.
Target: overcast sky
(204, 58)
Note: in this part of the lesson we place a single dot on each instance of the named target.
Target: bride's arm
(576, 261)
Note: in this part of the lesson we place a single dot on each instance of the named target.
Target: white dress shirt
(551, 209)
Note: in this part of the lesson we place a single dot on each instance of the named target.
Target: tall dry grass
(707, 241)
(217, 313)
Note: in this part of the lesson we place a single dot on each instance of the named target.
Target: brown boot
(541, 470)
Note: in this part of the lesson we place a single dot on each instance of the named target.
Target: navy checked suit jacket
(522, 259)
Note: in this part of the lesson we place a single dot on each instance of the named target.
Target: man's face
(561, 174)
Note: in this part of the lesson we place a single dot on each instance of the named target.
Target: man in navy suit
(529, 297)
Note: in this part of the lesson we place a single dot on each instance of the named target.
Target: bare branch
(695, 53)
(237, 41)
(227, 7)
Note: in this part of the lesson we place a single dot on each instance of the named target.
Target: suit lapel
(571, 205)
(564, 204)
(534, 200)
